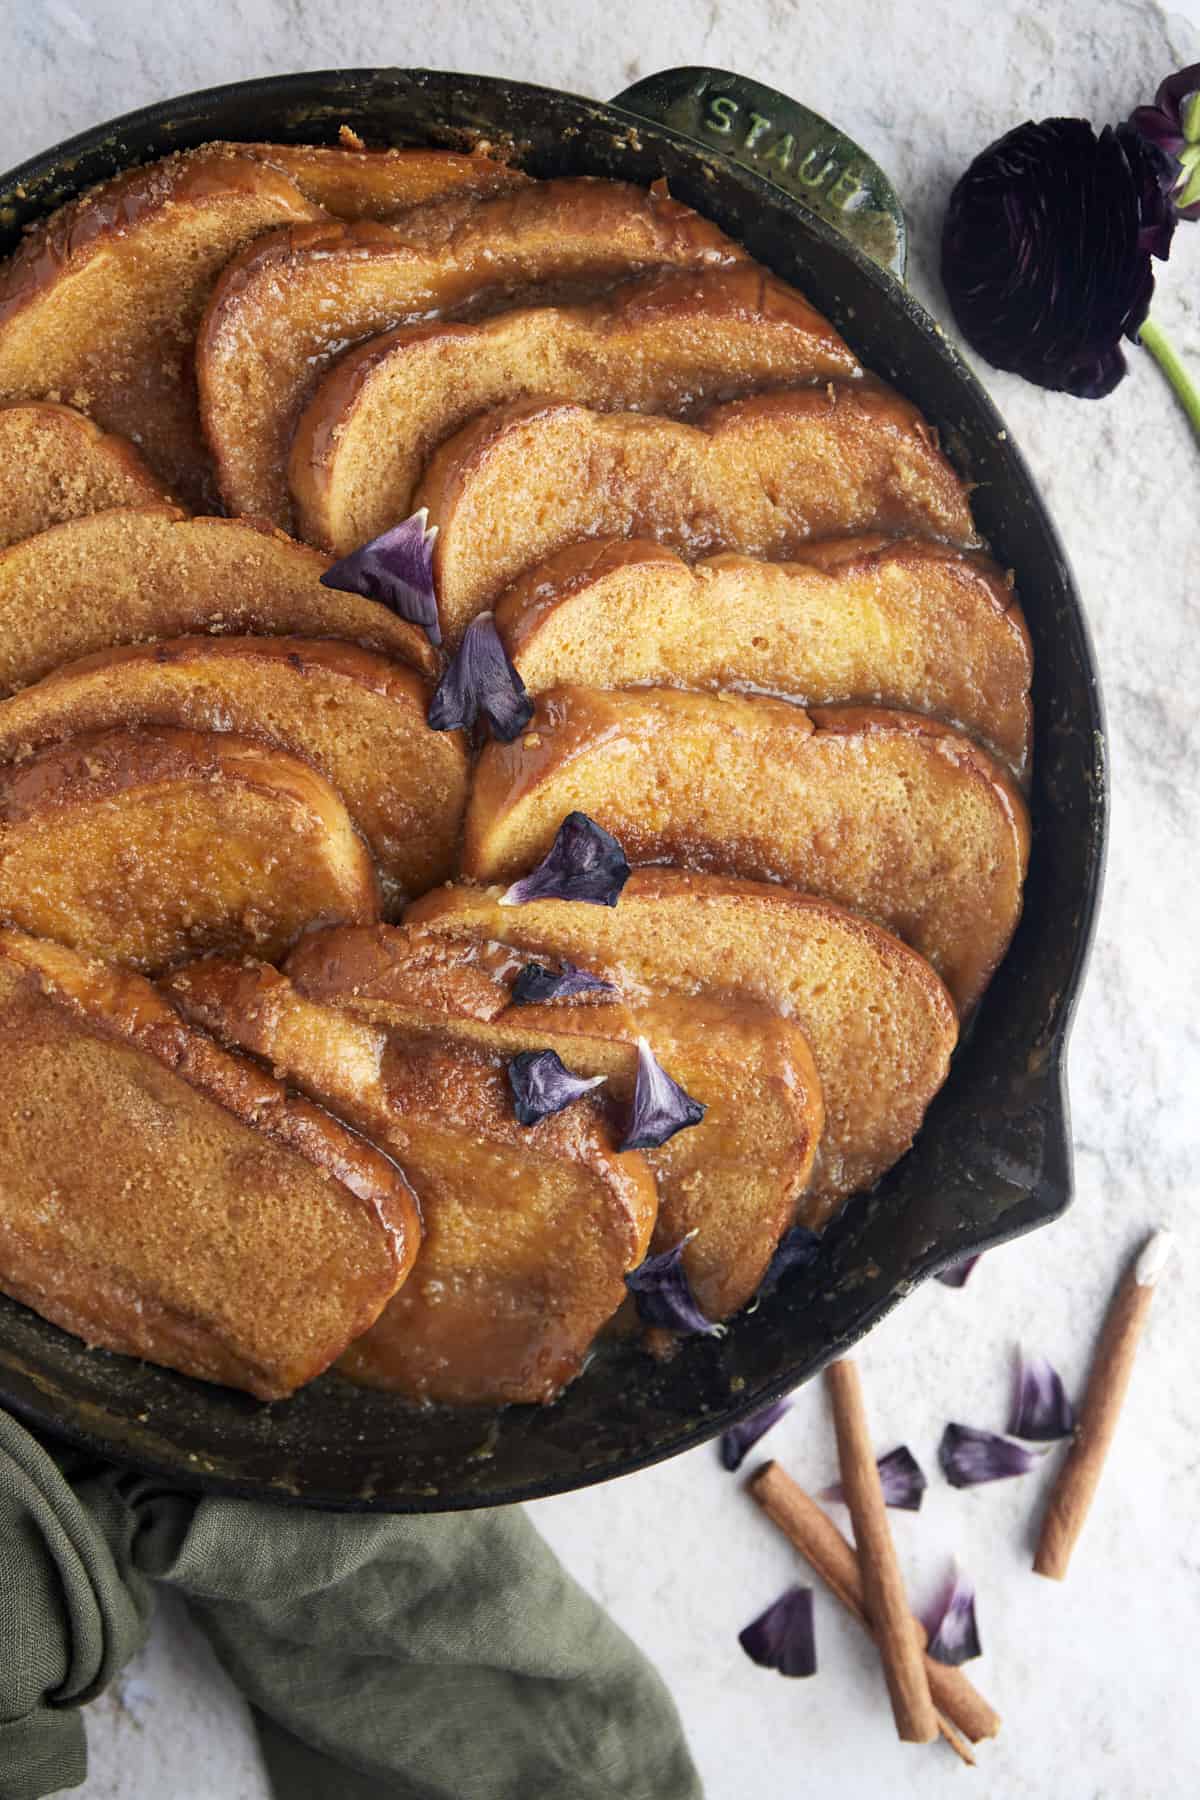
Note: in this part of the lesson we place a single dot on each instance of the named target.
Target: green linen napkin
(443, 1657)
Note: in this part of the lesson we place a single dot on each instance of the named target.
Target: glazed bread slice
(127, 576)
(734, 1180)
(528, 1231)
(880, 1024)
(352, 183)
(888, 813)
(55, 464)
(901, 622)
(147, 847)
(356, 716)
(100, 304)
(168, 1200)
(668, 343)
(759, 475)
(287, 306)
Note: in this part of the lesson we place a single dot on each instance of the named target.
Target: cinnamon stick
(882, 1584)
(1107, 1385)
(821, 1544)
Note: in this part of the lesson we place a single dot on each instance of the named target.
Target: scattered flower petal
(796, 1249)
(740, 1439)
(959, 1273)
(783, 1637)
(1040, 1409)
(663, 1297)
(536, 984)
(950, 1622)
(396, 568)
(542, 1084)
(584, 862)
(481, 679)
(900, 1476)
(660, 1105)
(969, 1457)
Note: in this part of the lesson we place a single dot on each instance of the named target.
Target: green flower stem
(1156, 342)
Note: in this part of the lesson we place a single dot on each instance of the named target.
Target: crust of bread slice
(880, 1024)
(147, 847)
(100, 304)
(528, 1231)
(891, 814)
(286, 306)
(901, 622)
(669, 343)
(166, 1199)
(352, 183)
(56, 464)
(132, 576)
(734, 1181)
(761, 475)
(356, 716)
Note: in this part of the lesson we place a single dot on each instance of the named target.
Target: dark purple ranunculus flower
(1047, 247)
(1173, 124)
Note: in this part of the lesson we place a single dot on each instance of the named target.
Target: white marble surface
(1095, 1678)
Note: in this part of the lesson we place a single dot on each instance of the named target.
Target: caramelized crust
(168, 1200)
(124, 577)
(357, 717)
(892, 622)
(55, 464)
(528, 1232)
(666, 344)
(150, 846)
(760, 475)
(879, 1022)
(888, 813)
(100, 304)
(286, 306)
(377, 184)
(734, 1179)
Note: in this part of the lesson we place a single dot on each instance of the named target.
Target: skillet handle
(784, 143)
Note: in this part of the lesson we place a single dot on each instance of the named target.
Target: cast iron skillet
(993, 1159)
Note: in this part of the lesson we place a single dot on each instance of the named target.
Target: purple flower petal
(783, 1637)
(740, 1439)
(660, 1105)
(959, 1273)
(396, 568)
(542, 1084)
(481, 679)
(900, 1476)
(796, 1249)
(1172, 125)
(969, 1457)
(663, 1297)
(1040, 1409)
(584, 862)
(950, 1622)
(536, 984)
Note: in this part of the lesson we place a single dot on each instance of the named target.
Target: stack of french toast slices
(268, 959)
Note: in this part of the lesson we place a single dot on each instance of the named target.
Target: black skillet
(993, 1159)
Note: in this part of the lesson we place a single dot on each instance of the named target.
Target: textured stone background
(1094, 1679)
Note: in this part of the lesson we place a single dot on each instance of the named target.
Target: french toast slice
(286, 306)
(901, 622)
(879, 1022)
(147, 847)
(99, 305)
(668, 343)
(527, 1231)
(131, 575)
(56, 464)
(352, 183)
(889, 813)
(734, 1180)
(168, 1200)
(356, 716)
(760, 475)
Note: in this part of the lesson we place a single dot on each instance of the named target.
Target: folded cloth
(438, 1657)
